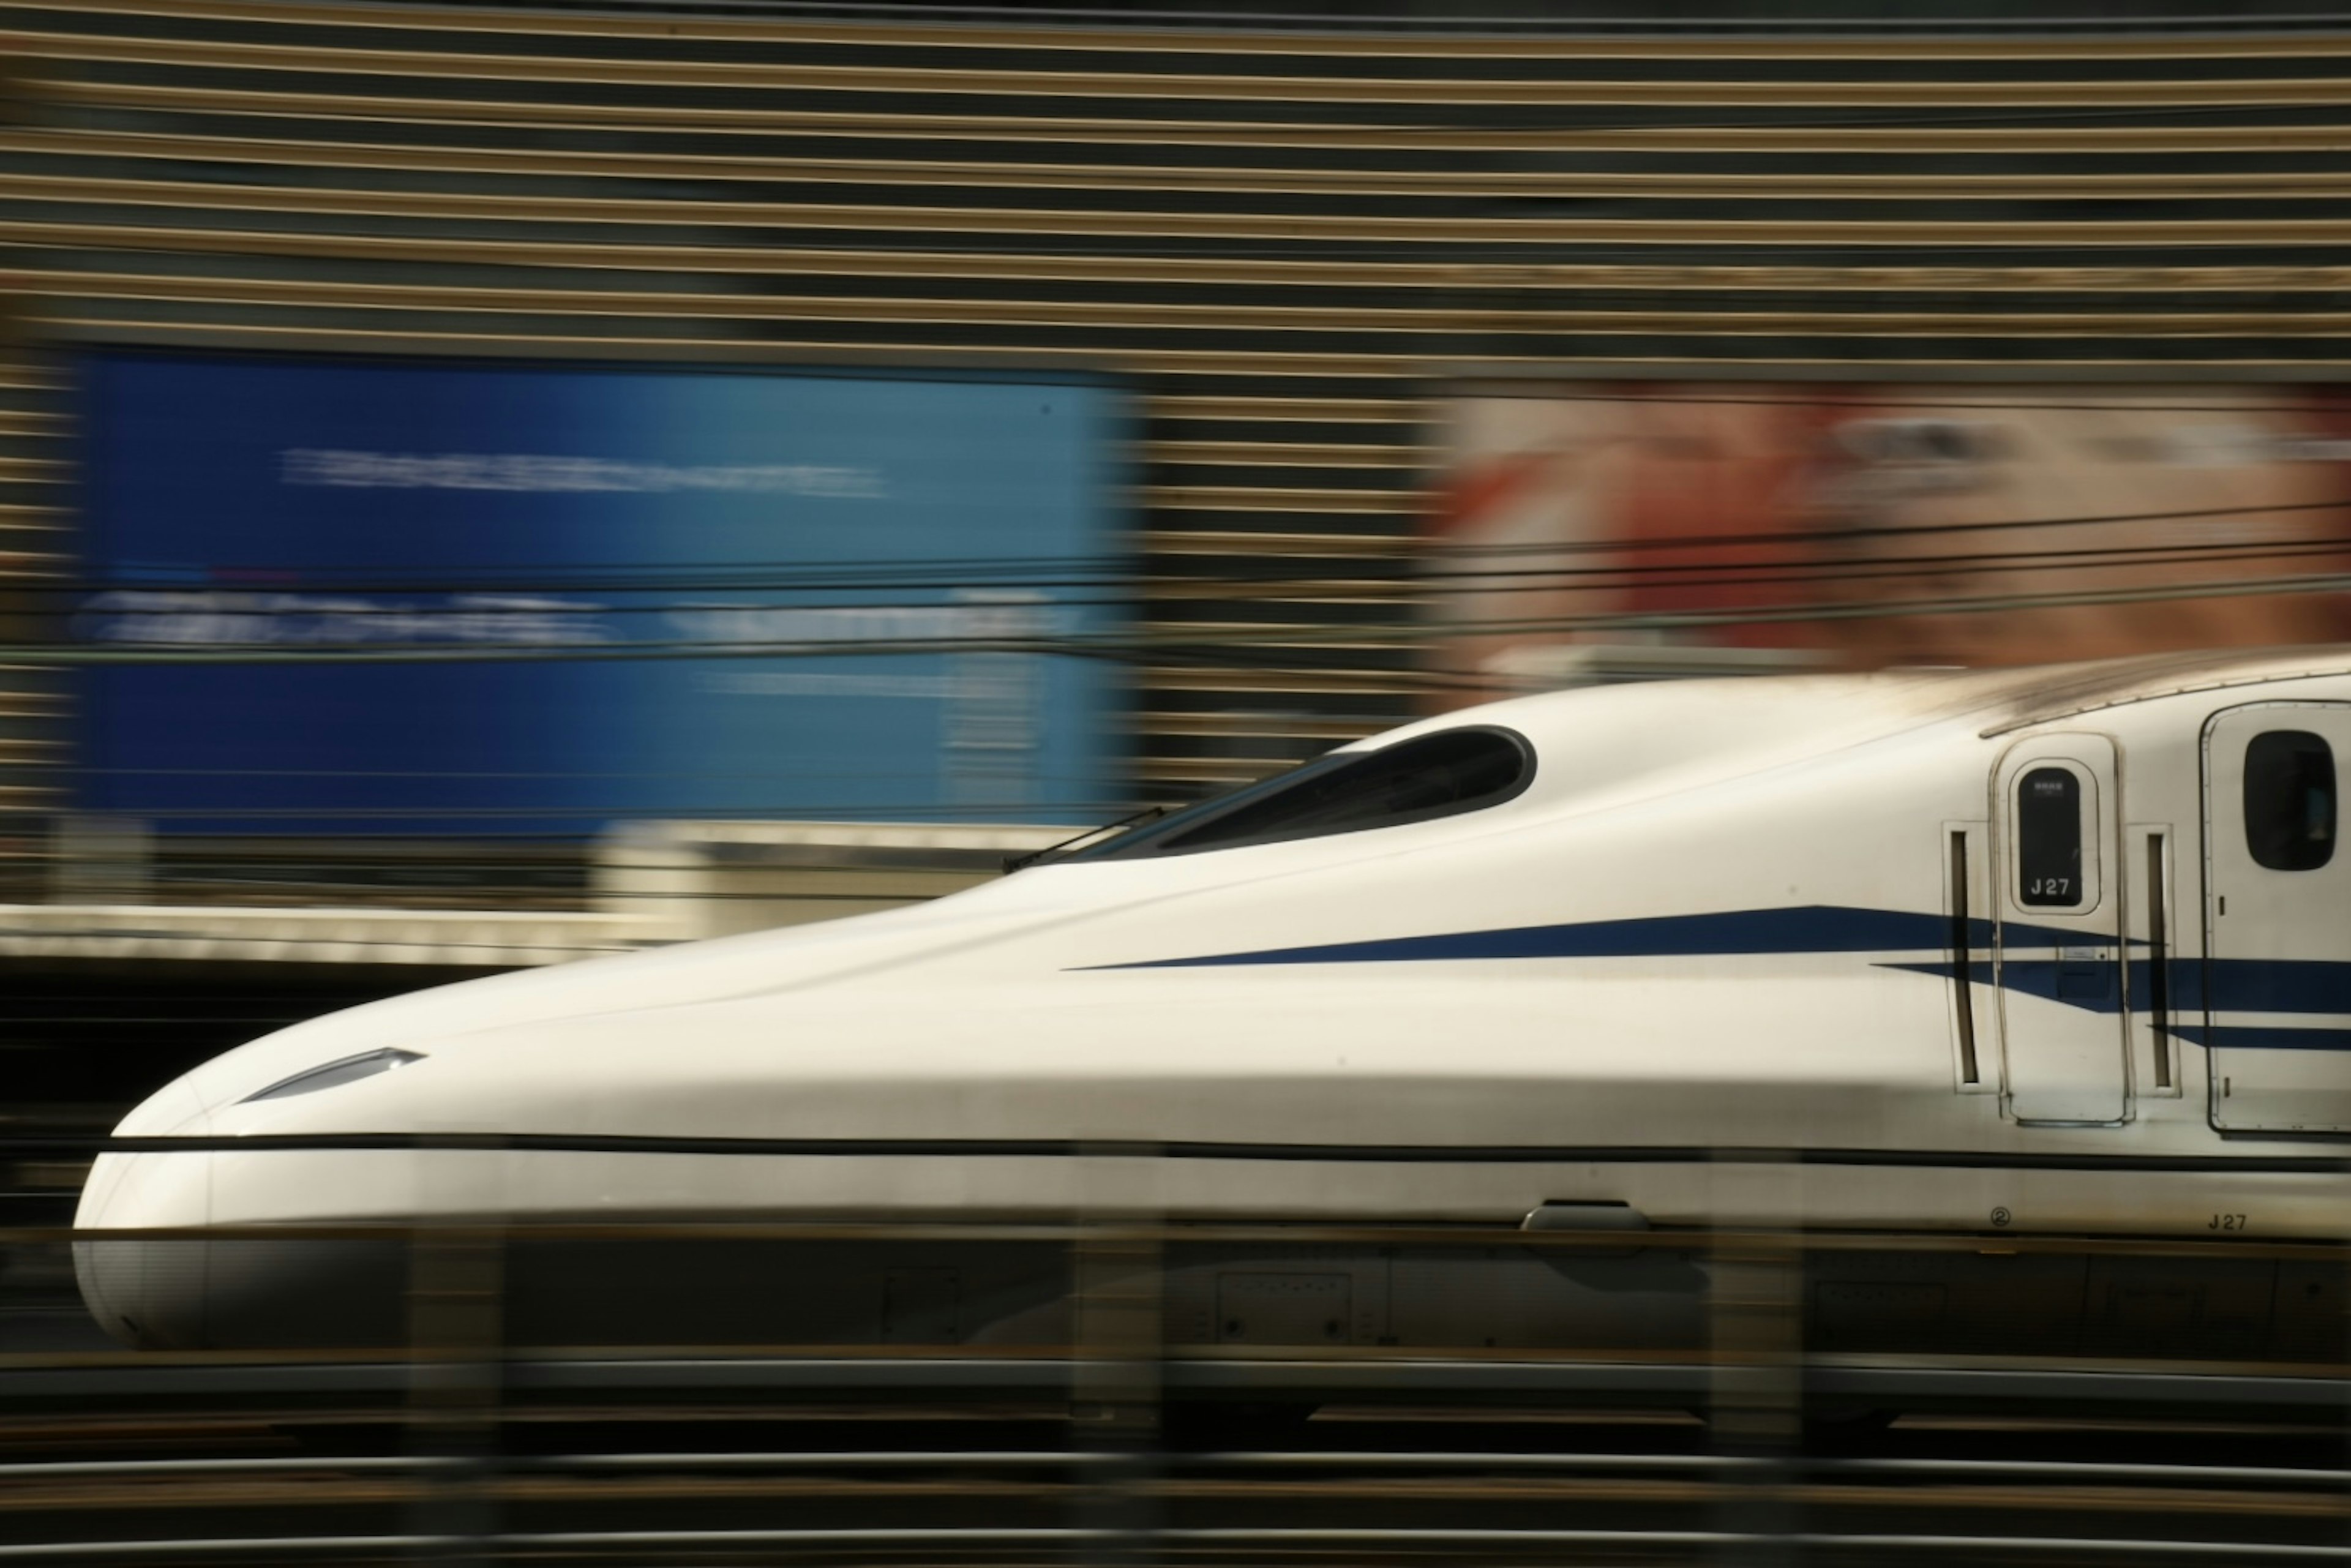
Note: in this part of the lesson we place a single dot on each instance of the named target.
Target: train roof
(2037, 694)
(1607, 737)
(2046, 692)
(1997, 701)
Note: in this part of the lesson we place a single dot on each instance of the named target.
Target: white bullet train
(2056, 951)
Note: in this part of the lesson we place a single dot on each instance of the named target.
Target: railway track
(741, 1459)
(919, 1505)
(1763, 1449)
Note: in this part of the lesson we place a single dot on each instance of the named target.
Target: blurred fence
(117, 894)
(133, 957)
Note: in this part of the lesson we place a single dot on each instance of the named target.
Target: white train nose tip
(145, 1291)
(169, 1291)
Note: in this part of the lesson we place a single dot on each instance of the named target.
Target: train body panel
(1920, 953)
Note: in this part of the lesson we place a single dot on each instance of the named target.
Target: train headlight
(333, 1074)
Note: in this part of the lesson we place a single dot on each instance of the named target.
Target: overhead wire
(1453, 586)
(1129, 646)
(957, 572)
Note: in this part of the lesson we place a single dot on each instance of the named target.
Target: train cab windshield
(1431, 776)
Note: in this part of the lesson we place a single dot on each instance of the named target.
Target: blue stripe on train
(1815, 929)
(2196, 984)
(2227, 985)
(2265, 1037)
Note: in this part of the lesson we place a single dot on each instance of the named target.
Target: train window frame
(2089, 816)
(2269, 849)
(1181, 833)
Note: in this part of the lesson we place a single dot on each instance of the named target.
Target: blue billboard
(348, 595)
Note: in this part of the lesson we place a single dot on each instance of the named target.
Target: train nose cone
(211, 1290)
(147, 1291)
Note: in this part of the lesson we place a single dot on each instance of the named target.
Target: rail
(919, 1494)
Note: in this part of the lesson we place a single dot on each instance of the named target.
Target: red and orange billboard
(1862, 526)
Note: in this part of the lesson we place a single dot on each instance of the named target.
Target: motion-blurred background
(485, 486)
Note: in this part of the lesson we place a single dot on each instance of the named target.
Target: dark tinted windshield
(1437, 775)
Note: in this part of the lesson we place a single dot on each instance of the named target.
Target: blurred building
(1439, 358)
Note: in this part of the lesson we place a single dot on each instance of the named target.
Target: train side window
(1431, 776)
(2049, 838)
(2290, 800)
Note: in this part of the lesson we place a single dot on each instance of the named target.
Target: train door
(2277, 919)
(2058, 944)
